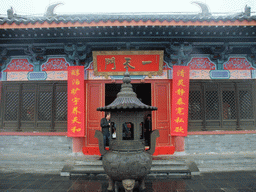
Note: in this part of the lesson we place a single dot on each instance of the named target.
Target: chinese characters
(180, 100)
(76, 101)
(110, 61)
(127, 63)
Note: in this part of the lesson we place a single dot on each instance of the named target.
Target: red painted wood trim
(222, 132)
(129, 23)
(34, 134)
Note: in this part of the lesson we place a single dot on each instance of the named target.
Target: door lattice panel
(212, 105)
(61, 106)
(28, 106)
(34, 106)
(225, 105)
(45, 106)
(228, 105)
(245, 100)
(11, 106)
(195, 105)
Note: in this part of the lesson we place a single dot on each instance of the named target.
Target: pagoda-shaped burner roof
(127, 99)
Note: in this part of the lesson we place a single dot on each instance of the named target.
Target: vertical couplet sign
(76, 101)
(180, 94)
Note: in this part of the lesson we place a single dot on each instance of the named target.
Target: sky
(34, 7)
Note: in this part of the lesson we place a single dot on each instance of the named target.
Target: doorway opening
(143, 91)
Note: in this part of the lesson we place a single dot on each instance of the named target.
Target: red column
(179, 143)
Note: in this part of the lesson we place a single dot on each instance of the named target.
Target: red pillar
(78, 143)
(179, 143)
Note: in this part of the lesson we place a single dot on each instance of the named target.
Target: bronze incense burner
(127, 160)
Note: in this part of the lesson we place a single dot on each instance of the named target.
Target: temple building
(198, 69)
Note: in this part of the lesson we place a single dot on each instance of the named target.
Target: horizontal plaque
(37, 75)
(138, 62)
(219, 74)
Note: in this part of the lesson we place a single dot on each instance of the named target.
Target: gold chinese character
(180, 102)
(75, 120)
(180, 92)
(179, 111)
(127, 63)
(179, 129)
(181, 73)
(180, 82)
(74, 129)
(179, 120)
(73, 91)
(75, 82)
(75, 110)
(75, 100)
(146, 62)
(75, 72)
(110, 61)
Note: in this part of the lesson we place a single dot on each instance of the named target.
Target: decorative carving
(99, 136)
(77, 53)
(128, 184)
(3, 58)
(11, 14)
(204, 8)
(19, 65)
(35, 53)
(153, 137)
(50, 10)
(237, 64)
(55, 64)
(201, 64)
(179, 54)
(252, 57)
(220, 55)
(135, 165)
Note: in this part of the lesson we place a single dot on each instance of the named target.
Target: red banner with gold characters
(180, 94)
(76, 101)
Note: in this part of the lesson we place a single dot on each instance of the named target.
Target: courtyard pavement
(218, 172)
(210, 182)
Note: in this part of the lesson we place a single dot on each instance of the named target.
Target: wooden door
(95, 97)
(161, 98)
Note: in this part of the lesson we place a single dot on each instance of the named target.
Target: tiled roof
(136, 17)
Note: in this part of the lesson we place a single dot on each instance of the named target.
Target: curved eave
(131, 108)
(58, 24)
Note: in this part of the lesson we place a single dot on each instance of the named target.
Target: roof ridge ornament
(50, 10)
(204, 8)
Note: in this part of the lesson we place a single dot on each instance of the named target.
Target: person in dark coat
(105, 124)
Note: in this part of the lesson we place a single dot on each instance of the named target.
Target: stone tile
(245, 190)
(51, 185)
(229, 189)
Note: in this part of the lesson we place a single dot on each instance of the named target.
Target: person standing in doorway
(105, 124)
(148, 129)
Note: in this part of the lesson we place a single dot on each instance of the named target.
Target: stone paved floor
(53, 164)
(211, 181)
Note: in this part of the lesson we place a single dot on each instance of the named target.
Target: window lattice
(229, 105)
(11, 106)
(195, 105)
(28, 106)
(61, 106)
(212, 105)
(45, 106)
(246, 107)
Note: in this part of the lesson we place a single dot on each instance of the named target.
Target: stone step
(154, 162)
(166, 167)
